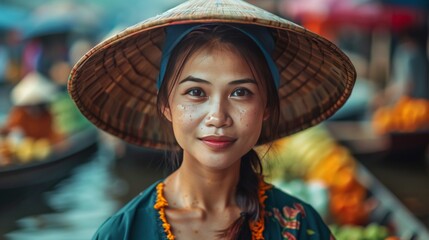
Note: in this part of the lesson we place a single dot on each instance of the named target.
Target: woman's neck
(197, 186)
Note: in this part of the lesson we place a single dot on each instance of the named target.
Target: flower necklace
(256, 227)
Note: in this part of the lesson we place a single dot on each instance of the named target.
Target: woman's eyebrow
(194, 79)
(234, 82)
(241, 81)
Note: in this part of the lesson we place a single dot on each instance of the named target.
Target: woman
(229, 76)
(30, 115)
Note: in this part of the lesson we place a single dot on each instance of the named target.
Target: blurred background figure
(29, 127)
(409, 67)
(12, 20)
(30, 114)
(53, 30)
(4, 58)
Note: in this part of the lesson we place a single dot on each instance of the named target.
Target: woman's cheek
(249, 116)
(186, 114)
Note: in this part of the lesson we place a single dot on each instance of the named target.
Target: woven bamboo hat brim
(114, 84)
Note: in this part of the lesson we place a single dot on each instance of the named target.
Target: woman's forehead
(225, 52)
(215, 63)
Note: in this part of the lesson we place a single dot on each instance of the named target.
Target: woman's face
(217, 108)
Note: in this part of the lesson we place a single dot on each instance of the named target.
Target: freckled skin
(218, 113)
(228, 101)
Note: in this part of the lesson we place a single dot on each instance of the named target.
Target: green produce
(371, 232)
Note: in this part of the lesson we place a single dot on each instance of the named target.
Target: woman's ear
(166, 111)
(267, 114)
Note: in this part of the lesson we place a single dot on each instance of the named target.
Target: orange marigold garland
(258, 227)
(160, 205)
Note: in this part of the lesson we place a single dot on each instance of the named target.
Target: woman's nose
(218, 115)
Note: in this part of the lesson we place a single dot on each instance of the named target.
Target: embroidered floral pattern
(288, 220)
(288, 236)
(300, 208)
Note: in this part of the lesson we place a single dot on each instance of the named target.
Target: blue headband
(260, 35)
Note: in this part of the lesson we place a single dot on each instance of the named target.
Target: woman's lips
(218, 142)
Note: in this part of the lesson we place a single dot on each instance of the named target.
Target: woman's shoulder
(280, 201)
(138, 212)
(293, 217)
(279, 198)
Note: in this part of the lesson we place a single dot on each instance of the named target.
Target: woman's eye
(196, 92)
(241, 92)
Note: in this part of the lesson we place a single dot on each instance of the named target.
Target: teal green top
(286, 217)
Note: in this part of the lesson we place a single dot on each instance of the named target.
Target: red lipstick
(218, 142)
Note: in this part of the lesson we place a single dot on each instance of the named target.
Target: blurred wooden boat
(361, 139)
(358, 137)
(64, 156)
(410, 142)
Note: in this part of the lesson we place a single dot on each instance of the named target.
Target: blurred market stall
(48, 37)
(315, 167)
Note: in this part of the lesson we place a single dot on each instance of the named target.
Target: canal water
(74, 208)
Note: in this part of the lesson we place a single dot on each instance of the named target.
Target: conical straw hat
(114, 84)
(33, 89)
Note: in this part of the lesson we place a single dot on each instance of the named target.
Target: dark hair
(224, 36)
